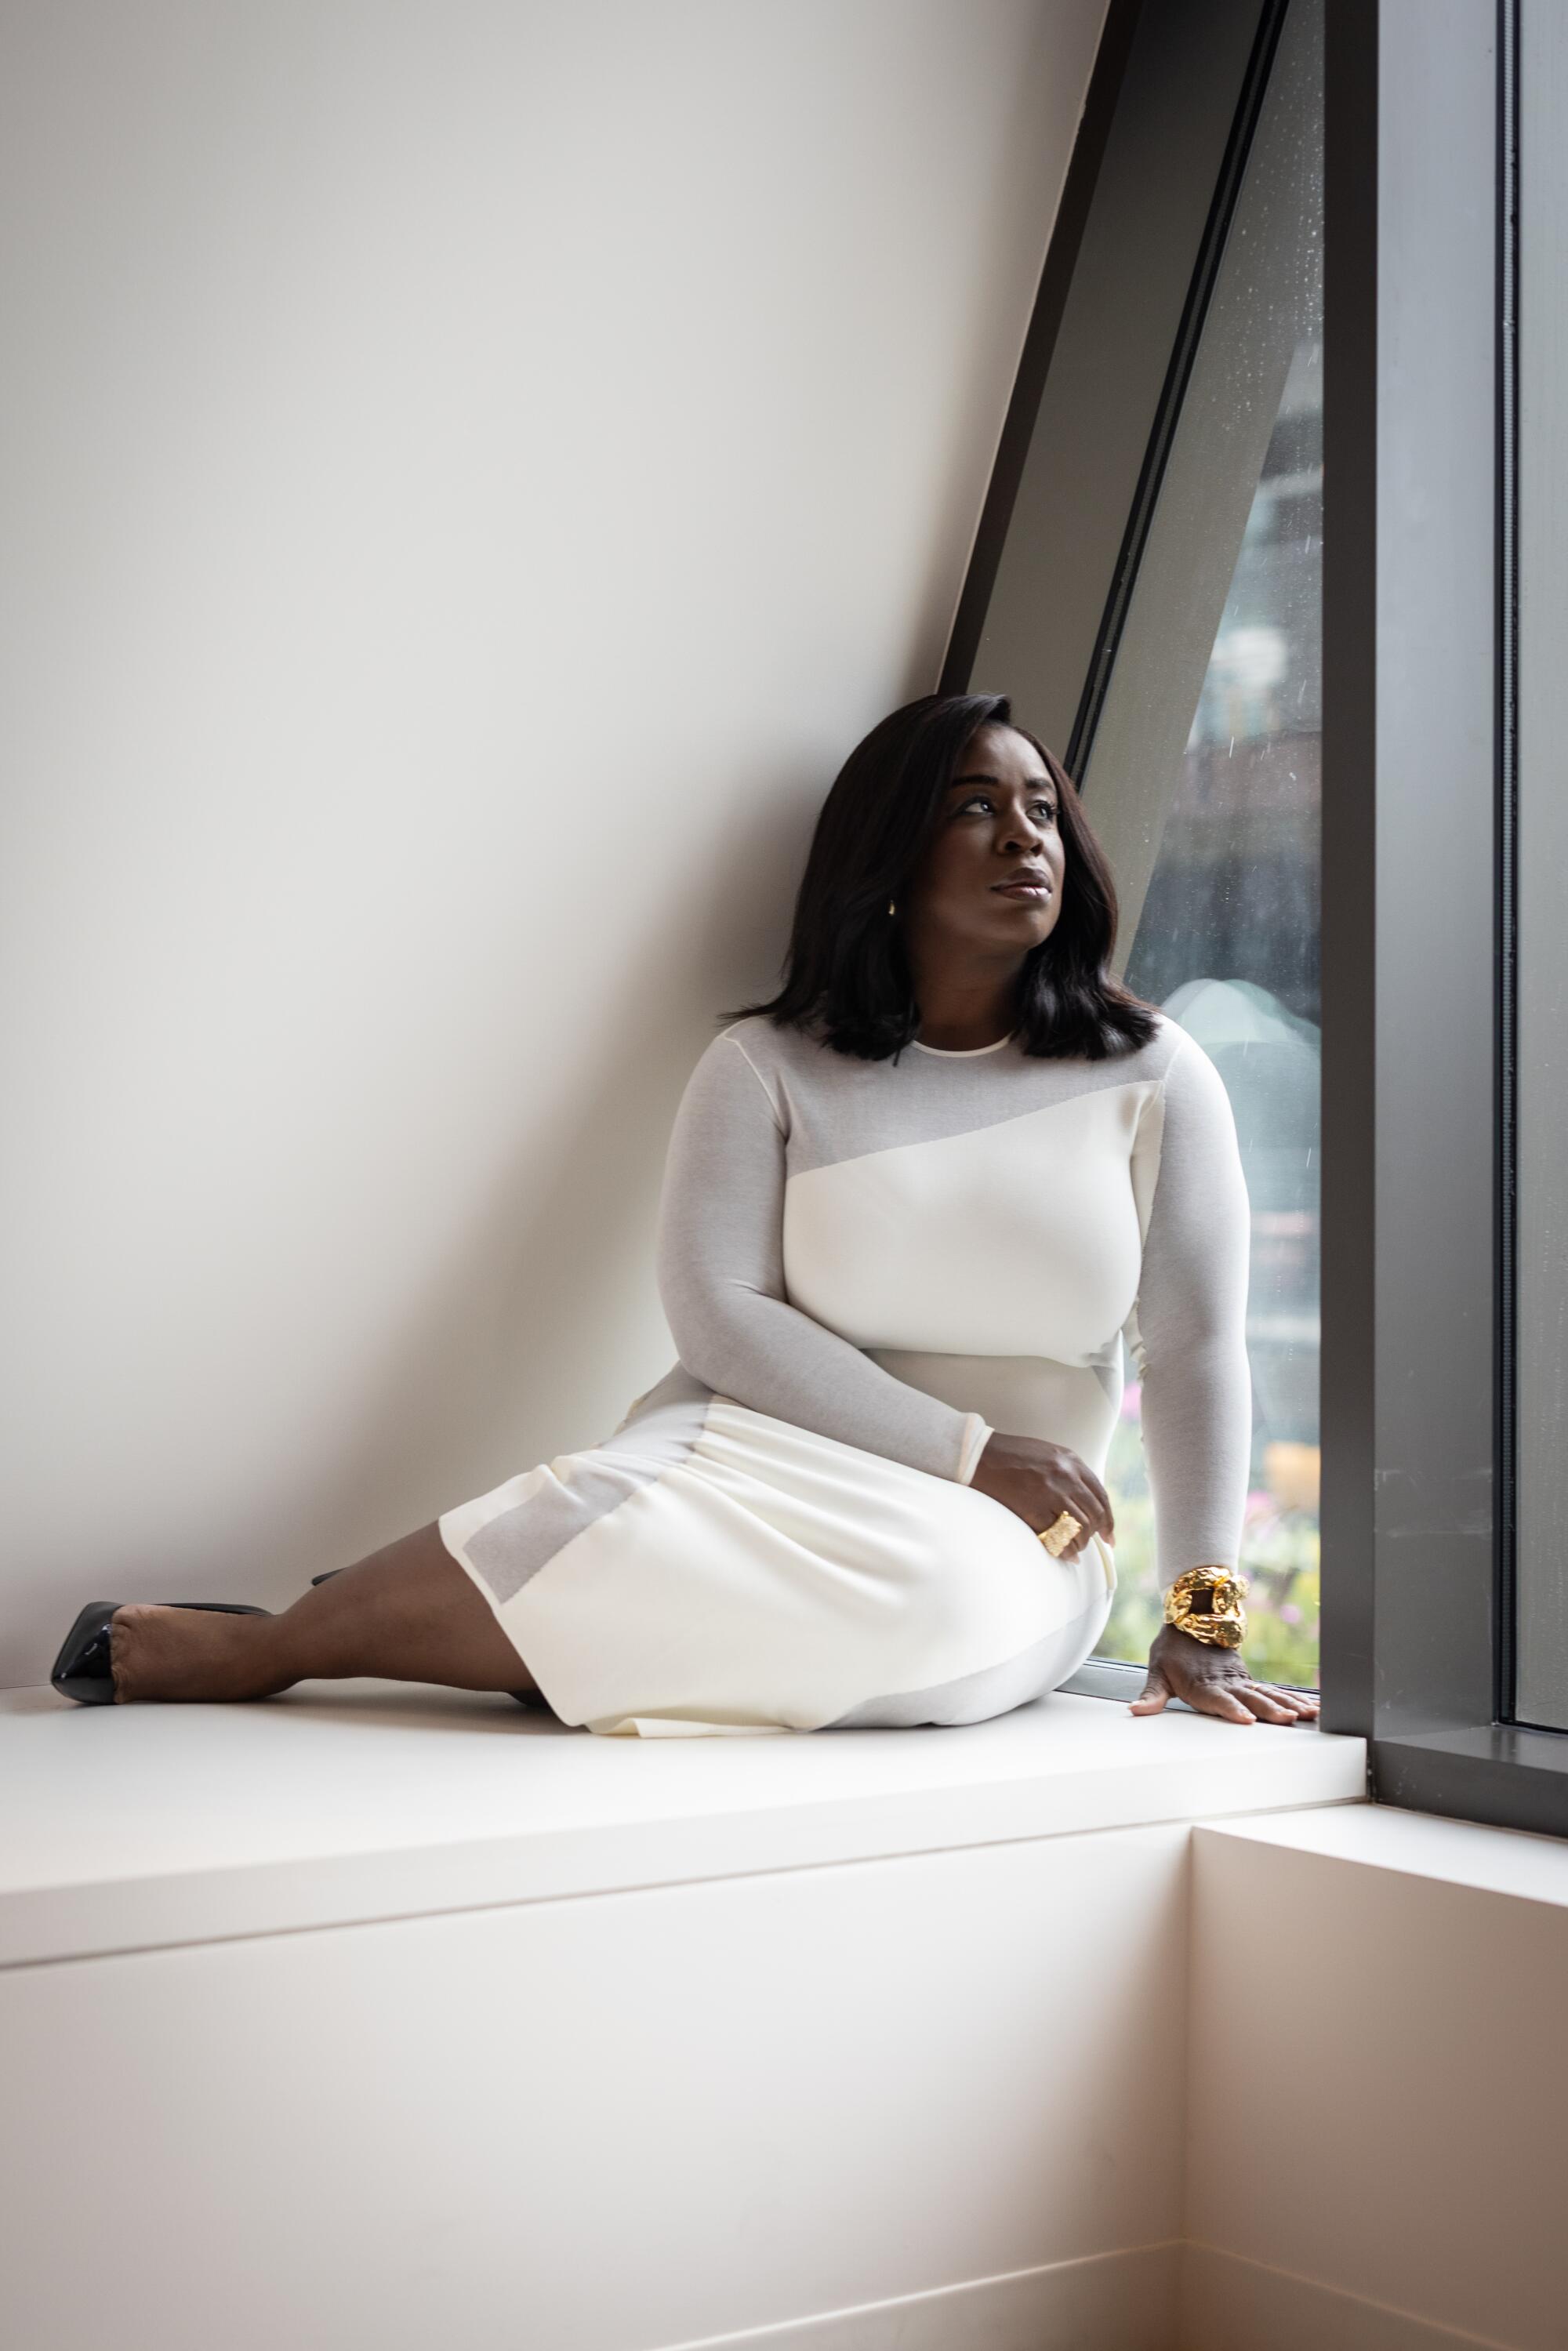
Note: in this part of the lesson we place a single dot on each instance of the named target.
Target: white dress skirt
(869, 1268)
(772, 1579)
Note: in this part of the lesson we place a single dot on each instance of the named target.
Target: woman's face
(992, 876)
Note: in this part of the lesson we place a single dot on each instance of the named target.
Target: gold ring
(1061, 1531)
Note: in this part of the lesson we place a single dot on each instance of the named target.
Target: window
(1173, 441)
(1309, 252)
(1202, 777)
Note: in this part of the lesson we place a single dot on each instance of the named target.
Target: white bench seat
(126, 1828)
(386, 2016)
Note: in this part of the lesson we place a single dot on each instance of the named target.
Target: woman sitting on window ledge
(910, 1207)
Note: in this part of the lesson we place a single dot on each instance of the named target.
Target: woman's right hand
(1040, 1481)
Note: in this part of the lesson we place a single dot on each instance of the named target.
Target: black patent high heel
(82, 1670)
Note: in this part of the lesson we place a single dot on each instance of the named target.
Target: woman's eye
(983, 800)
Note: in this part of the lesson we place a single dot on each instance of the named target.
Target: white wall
(452, 451)
(1377, 2079)
(647, 2118)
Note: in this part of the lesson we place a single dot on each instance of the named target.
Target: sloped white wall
(470, 471)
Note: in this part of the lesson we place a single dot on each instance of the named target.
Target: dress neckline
(963, 1052)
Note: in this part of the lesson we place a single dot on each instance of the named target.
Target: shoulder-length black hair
(845, 972)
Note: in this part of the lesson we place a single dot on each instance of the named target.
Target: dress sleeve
(719, 1256)
(1187, 1331)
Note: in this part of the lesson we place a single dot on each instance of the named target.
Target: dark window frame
(1420, 689)
(1424, 1657)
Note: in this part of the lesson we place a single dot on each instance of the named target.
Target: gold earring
(890, 906)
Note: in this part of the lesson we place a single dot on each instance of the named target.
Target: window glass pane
(1203, 781)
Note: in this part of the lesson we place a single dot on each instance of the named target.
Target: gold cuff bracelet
(1206, 1603)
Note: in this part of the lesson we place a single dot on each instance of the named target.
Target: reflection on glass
(1226, 943)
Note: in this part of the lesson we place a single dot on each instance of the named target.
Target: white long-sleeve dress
(867, 1267)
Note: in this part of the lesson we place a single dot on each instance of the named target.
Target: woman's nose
(1024, 833)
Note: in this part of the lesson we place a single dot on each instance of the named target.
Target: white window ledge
(140, 1827)
(1517, 1862)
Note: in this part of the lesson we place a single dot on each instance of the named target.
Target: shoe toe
(83, 1669)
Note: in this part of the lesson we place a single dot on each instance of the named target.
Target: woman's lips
(1027, 890)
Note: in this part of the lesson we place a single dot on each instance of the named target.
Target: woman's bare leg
(407, 1612)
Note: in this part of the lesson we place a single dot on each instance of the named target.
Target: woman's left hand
(1213, 1681)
